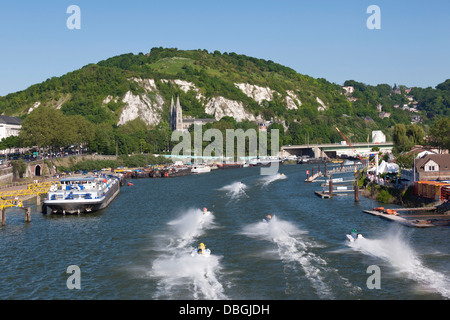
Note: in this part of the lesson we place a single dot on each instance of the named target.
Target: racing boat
(354, 235)
(201, 251)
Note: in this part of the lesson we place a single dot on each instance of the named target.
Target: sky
(323, 38)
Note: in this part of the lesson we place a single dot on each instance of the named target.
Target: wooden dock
(335, 182)
(417, 209)
(400, 219)
(345, 169)
(326, 194)
(314, 177)
(323, 195)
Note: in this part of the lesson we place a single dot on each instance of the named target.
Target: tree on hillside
(415, 133)
(401, 141)
(440, 134)
(82, 131)
(44, 127)
(10, 142)
(405, 137)
(444, 85)
(103, 141)
(50, 128)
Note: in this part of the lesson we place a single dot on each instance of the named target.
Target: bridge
(12, 198)
(334, 150)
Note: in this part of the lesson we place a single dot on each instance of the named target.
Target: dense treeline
(77, 93)
(134, 161)
(435, 102)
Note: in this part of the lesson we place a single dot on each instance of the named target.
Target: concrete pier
(313, 177)
(402, 220)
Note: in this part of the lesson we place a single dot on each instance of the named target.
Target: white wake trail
(272, 178)
(395, 250)
(235, 190)
(179, 274)
(292, 250)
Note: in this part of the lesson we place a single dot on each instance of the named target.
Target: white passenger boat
(200, 169)
(82, 194)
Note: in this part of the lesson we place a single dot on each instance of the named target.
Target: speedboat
(205, 212)
(201, 252)
(354, 235)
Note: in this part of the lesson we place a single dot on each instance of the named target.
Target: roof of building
(443, 160)
(186, 120)
(10, 120)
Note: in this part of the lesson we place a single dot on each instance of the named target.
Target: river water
(139, 247)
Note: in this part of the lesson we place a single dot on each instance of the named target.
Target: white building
(9, 126)
(378, 136)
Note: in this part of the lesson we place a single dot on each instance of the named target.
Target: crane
(348, 142)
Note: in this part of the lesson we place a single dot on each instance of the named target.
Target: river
(139, 247)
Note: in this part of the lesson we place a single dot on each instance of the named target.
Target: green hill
(138, 88)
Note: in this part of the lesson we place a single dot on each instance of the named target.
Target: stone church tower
(175, 116)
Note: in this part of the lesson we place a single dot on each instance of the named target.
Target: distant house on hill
(383, 115)
(9, 126)
(367, 119)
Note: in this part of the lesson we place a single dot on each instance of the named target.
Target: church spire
(171, 110)
(178, 116)
(178, 108)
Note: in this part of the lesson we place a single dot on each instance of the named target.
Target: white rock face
(141, 107)
(220, 107)
(148, 84)
(108, 99)
(34, 106)
(150, 110)
(322, 106)
(290, 98)
(257, 93)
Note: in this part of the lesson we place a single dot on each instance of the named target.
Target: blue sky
(323, 38)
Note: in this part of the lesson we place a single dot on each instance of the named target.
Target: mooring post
(319, 168)
(27, 214)
(3, 217)
(312, 172)
(325, 169)
(330, 185)
(356, 186)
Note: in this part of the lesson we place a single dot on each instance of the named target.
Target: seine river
(139, 247)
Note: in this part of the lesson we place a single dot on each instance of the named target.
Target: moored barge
(82, 194)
